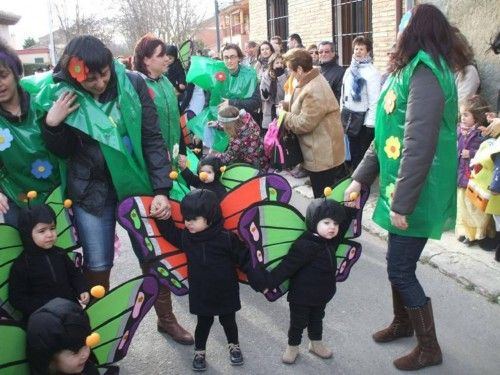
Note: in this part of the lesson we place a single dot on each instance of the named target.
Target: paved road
(468, 327)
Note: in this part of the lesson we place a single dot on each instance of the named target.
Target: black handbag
(291, 148)
(352, 121)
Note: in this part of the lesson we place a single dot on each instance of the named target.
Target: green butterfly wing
(117, 315)
(269, 229)
(10, 248)
(13, 349)
(236, 174)
(185, 51)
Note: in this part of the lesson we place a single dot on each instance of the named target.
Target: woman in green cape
(414, 154)
(112, 144)
(25, 163)
(150, 60)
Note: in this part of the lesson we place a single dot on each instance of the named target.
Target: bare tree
(74, 22)
(171, 20)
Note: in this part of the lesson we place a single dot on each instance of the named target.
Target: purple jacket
(470, 142)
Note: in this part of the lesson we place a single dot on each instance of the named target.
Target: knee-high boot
(427, 352)
(400, 326)
(167, 322)
(97, 278)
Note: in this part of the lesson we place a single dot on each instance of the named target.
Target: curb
(475, 269)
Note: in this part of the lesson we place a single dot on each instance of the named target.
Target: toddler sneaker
(290, 355)
(199, 363)
(318, 348)
(235, 355)
(461, 238)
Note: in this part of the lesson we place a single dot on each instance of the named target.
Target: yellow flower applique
(389, 101)
(392, 147)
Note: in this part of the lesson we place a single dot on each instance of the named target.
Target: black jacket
(212, 257)
(38, 276)
(311, 268)
(176, 75)
(333, 73)
(89, 180)
(214, 186)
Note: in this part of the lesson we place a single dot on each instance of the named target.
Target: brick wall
(258, 20)
(384, 30)
(311, 19)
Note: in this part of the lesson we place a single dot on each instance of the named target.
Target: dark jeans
(402, 257)
(320, 180)
(204, 324)
(359, 144)
(305, 316)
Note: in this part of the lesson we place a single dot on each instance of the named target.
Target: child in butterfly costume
(311, 269)
(212, 255)
(209, 169)
(43, 271)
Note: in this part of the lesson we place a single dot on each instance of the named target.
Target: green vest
(117, 126)
(436, 207)
(25, 163)
(163, 95)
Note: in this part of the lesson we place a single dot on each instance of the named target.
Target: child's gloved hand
(84, 298)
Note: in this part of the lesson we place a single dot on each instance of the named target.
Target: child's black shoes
(235, 355)
(199, 362)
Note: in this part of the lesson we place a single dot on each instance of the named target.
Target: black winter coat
(212, 257)
(333, 73)
(89, 179)
(38, 276)
(311, 268)
(214, 186)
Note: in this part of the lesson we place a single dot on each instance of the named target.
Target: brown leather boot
(167, 322)
(97, 278)
(400, 326)
(427, 352)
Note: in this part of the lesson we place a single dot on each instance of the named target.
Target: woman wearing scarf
(150, 59)
(272, 88)
(25, 163)
(266, 50)
(360, 92)
(414, 155)
(112, 144)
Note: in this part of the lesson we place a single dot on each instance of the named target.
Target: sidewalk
(474, 268)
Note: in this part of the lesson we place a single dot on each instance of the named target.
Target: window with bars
(350, 19)
(277, 18)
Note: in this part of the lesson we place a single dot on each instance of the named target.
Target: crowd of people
(105, 130)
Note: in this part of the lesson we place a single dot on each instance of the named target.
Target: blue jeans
(97, 236)
(402, 257)
(12, 214)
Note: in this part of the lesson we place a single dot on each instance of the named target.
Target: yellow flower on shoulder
(389, 101)
(392, 147)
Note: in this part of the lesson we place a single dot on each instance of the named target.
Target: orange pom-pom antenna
(68, 203)
(353, 196)
(97, 291)
(173, 175)
(93, 340)
(222, 169)
(32, 194)
(203, 176)
(327, 191)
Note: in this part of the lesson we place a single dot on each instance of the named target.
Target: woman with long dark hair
(414, 154)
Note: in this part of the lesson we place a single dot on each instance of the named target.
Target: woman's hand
(61, 108)
(4, 204)
(160, 207)
(398, 221)
(354, 187)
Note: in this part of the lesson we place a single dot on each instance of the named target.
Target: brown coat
(314, 116)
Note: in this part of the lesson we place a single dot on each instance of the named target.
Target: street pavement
(467, 325)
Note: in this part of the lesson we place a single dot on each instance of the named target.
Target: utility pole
(217, 26)
(52, 50)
